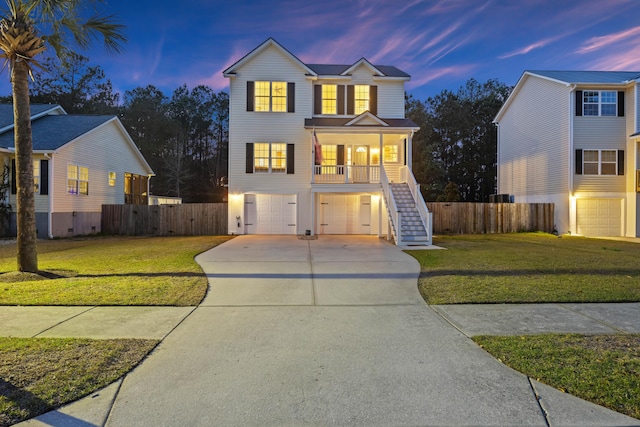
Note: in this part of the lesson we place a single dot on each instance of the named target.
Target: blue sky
(440, 43)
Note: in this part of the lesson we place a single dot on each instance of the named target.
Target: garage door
(344, 214)
(270, 213)
(599, 217)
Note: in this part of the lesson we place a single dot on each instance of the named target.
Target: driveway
(327, 332)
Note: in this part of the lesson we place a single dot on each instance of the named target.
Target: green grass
(603, 369)
(529, 268)
(110, 271)
(40, 374)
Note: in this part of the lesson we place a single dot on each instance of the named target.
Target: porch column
(313, 213)
(409, 151)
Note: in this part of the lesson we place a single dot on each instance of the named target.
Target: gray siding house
(80, 162)
(571, 138)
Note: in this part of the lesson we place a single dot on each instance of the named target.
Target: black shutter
(373, 100)
(14, 186)
(291, 97)
(340, 155)
(291, 161)
(317, 99)
(340, 99)
(249, 166)
(621, 104)
(620, 162)
(351, 99)
(578, 162)
(44, 177)
(250, 95)
(578, 103)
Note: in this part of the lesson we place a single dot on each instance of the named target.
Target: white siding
(250, 127)
(102, 150)
(533, 140)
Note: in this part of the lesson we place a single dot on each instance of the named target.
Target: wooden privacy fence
(190, 219)
(479, 218)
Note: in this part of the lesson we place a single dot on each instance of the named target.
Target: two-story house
(321, 149)
(571, 138)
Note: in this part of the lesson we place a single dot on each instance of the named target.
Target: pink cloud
(596, 43)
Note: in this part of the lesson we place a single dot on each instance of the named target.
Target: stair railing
(425, 215)
(392, 209)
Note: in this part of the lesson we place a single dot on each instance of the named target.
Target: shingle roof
(337, 69)
(52, 132)
(6, 112)
(595, 77)
(341, 121)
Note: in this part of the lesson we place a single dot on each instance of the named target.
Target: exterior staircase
(412, 227)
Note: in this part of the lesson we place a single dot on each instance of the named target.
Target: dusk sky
(440, 43)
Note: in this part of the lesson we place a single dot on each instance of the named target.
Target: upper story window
(112, 179)
(329, 99)
(271, 96)
(599, 103)
(361, 99)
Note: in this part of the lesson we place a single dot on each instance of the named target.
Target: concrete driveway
(328, 332)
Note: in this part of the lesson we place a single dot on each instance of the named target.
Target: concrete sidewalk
(323, 332)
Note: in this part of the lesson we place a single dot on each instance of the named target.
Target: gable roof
(588, 77)
(6, 113)
(231, 71)
(53, 131)
(318, 69)
(572, 78)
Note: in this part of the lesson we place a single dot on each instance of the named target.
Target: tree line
(183, 136)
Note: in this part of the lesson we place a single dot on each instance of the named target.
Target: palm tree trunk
(26, 211)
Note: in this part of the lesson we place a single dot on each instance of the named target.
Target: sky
(440, 43)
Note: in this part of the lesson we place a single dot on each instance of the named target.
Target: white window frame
(599, 162)
(111, 178)
(329, 99)
(264, 95)
(270, 158)
(361, 99)
(36, 176)
(397, 153)
(594, 98)
(75, 182)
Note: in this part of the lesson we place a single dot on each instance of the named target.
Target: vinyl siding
(102, 150)
(250, 127)
(533, 140)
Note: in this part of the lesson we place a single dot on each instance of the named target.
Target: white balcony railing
(345, 174)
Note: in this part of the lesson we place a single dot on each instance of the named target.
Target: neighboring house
(80, 162)
(571, 138)
(313, 149)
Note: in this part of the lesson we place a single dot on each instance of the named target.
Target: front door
(360, 168)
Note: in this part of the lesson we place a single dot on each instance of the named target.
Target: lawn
(603, 369)
(529, 268)
(40, 374)
(109, 271)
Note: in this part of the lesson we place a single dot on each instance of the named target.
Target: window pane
(608, 97)
(278, 158)
(329, 155)
(361, 101)
(591, 169)
(390, 153)
(609, 156)
(329, 99)
(590, 96)
(262, 92)
(83, 188)
(72, 172)
(84, 174)
(590, 109)
(279, 96)
(609, 110)
(72, 186)
(590, 155)
(112, 179)
(609, 169)
(261, 157)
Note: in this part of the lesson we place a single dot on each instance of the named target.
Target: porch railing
(414, 187)
(345, 174)
(394, 214)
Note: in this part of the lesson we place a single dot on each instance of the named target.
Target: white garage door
(344, 214)
(270, 213)
(599, 217)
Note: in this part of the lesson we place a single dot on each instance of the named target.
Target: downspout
(50, 196)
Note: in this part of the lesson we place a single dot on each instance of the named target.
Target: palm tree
(59, 25)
